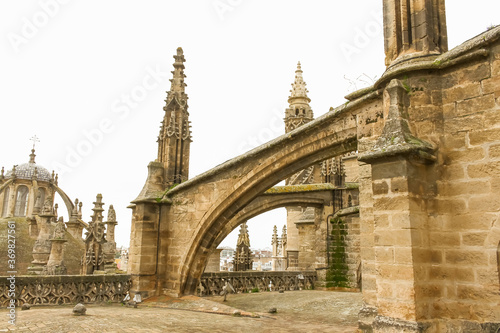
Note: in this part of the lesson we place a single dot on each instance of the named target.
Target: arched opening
(260, 229)
(297, 111)
(5, 205)
(22, 196)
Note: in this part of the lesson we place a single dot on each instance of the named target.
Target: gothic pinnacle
(177, 81)
(299, 89)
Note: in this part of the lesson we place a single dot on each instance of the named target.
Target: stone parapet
(66, 289)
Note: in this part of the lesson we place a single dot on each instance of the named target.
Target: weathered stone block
(467, 123)
(475, 105)
(484, 170)
(470, 222)
(466, 257)
(453, 172)
(384, 254)
(399, 184)
(484, 203)
(395, 272)
(455, 206)
(464, 187)
(444, 239)
(474, 238)
(380, 188)
(403, 255)
(451, 273)
(397, 202)
(454, 141)
(491, 86)
(462, 92)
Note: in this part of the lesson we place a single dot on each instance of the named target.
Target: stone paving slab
(298, 311)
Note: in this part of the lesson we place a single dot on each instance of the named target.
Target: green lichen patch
(336, 275)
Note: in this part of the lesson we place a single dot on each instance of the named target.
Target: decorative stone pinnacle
(97, 215)
(243, 237)
(299, 90)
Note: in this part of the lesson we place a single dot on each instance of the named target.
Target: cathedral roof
(28, 170)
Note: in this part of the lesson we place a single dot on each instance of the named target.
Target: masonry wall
(370, 124)
(464, 228)
(447, 241)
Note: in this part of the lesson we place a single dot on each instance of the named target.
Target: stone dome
(27, 170)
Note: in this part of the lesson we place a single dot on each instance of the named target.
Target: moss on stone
(73, 251)
(336, 275)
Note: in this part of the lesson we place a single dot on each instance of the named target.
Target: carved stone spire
(414, 28)
(175, 133)
(299, 112)
(243, 237)
(299, 89)
(243, 256)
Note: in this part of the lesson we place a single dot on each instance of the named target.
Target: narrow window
(21, 201)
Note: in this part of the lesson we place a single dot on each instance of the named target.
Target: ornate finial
(55, 209)
(2, 174)
(243, 237)
(57, 178)
(275, 235)
(53, 175)
(35, 139)
(299, 86)
(97, 215)
(80, 209)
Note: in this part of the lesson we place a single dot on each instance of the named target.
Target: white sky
(68, 66)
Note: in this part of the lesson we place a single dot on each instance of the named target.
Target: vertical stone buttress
(171, 167)
(175, 135)
(414, 28)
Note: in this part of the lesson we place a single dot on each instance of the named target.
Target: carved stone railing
(65, 289)
(242, 282)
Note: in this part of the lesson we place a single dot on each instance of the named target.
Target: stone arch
(264, 204)
(67, 201)
(302, 150)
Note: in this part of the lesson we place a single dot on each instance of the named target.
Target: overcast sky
(89, 79)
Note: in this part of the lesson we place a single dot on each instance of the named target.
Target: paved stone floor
(297, 311)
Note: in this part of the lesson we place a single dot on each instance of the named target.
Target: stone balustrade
(242, 282)
(65, 289)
